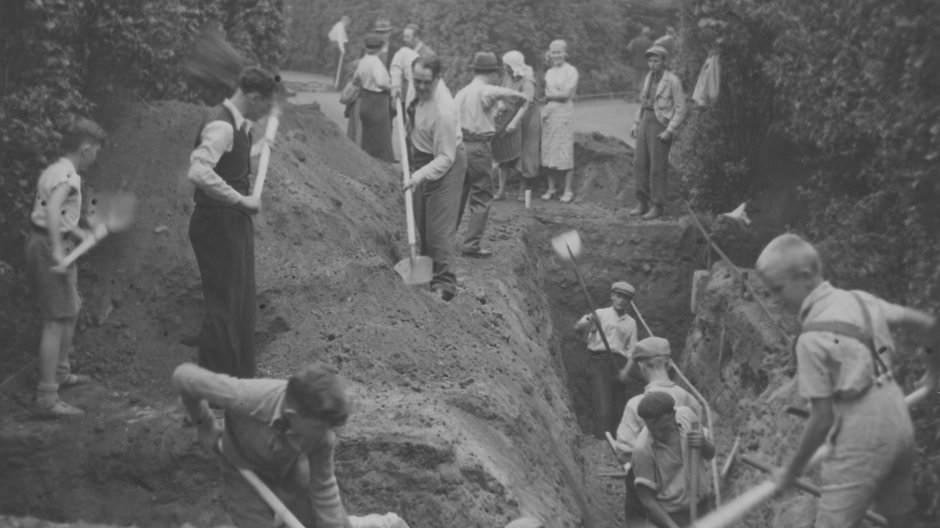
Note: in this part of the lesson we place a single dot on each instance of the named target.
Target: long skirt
(558, 136)
(376, 120)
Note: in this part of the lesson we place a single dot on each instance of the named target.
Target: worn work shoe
(655, 212)
(74, 380)
(55, 409)
(641, 209)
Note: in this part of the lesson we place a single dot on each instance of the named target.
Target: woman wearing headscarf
(375, 101)
(561, 82)
(516, 145)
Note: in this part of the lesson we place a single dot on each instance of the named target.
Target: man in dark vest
(221, 229)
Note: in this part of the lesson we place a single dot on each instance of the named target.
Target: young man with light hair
(843, 364)
(401, 70)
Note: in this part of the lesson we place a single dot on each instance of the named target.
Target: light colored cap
(657, 50)
(651, 347)
(624, 288)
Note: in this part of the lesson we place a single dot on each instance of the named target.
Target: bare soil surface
(464, 411)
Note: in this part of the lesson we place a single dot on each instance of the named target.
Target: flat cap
(624, 288)
(373, 41)
(657, 50)
(655, 404)
(651, 347)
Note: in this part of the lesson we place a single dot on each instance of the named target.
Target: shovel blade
(415, 270)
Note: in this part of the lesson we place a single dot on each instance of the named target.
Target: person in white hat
(662, 110)
(608, 393)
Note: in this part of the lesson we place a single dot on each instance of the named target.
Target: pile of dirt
(460, 414)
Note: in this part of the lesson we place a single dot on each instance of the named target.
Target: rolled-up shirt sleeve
(215, 140)
(445, 148)
(196, 384)
(323, 489)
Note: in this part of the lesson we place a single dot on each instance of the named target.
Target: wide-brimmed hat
(623, 288)
(485, 61)
(374, 42)
(382, 25)
(657, 50)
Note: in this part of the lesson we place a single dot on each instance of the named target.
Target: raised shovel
(415, 269)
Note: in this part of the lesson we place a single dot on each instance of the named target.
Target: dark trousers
(477, 192)
(224, 244)
(651, 161)
(608, 394)
(436, 205)
(634, 509)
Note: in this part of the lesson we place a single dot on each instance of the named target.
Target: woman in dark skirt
(517, 144)
(375, 102)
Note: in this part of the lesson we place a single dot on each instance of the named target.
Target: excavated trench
(469, 413)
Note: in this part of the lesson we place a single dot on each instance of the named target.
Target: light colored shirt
(620, 331)
(62, 172)
(631, 425)
(561, 81)
(835, 366)
(669, 100)
(338, 34)
(661, 469)
(477, 106)
(436, 132)
(372, 74)
(254, 423)
(216, 138)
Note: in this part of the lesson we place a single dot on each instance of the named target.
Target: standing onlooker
(669, 41)
(439, 165)
(637, 50)
(339, 37)
(221, 230)
(561, 82)
(608, 393)
(55, 216)
(383, 28)
(476, 113)
(522, 133)
(662, 110)
(375, 102)
(401, 69)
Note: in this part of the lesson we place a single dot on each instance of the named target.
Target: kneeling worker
(280, 429)
(660, 462)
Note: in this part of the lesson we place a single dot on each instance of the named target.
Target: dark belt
(471, 137)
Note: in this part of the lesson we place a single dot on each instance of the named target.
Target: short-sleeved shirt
(836, 366)
(620, 331)
(631, 424)
(59, 173)
(372, 74)
(659, 468)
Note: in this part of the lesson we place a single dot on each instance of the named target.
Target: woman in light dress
(561, 82)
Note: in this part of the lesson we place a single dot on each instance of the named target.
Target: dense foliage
(597, 32)
(854, 84)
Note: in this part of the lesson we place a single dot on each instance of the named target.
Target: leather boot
(640, 209)
(655, 212)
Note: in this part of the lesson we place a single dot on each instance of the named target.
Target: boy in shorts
(54, 222)
(843, 366)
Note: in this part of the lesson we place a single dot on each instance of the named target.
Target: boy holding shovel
(844, 371)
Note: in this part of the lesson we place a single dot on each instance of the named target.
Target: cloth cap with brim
(382, 25)
(657, 50)
(651, 347)
(655, 405)
(485, 61)
(623, 288)
(374, 42)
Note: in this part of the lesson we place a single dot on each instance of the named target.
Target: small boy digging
(55, 216)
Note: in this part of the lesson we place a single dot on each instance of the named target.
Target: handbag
(350, 92)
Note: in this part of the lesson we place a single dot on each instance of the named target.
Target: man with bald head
(843, 365)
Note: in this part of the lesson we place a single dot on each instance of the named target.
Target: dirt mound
(460, 414)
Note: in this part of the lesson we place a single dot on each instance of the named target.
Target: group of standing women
(529, 141)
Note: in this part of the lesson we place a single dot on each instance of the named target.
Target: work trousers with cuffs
(608, 394)
(651, 161)
(223, 241)
(436, 204)
(477, 192)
